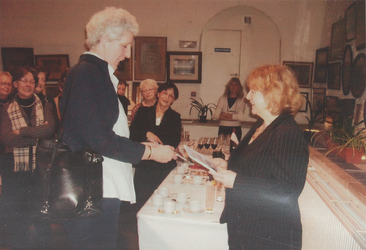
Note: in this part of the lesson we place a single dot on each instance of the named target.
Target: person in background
(5, 89)
(148, 89)
(60, 87)
(121, 90)
(267, 171)
(161, 124)
(40, 90)
(94, 119)
(23, 121)
(230, 107)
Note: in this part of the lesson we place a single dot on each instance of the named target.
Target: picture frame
(184, 67)
(350, 16)
(321, 65)
(346, 107)
(331, 107)
(346, 69)
(334, 75)
(136, 92)
(124, 70)
(303, 72)
(150, 58)
(304, 104)
(13, 57)
(360, 25)
(358, 76)
(338, 40)
(54, 64)
(318, 102)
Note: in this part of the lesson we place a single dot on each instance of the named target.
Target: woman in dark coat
(162, 125)
(267, 171)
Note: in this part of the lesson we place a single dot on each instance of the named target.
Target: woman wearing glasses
(23, 121)
(5, 89)
(229, 107)
(148, 89)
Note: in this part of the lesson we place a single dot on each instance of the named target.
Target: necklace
(28, 106)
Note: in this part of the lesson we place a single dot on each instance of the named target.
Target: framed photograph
(319, 102)
(15, 57)
(350, 15)
(303, 72)
(346, 69)
(358, 76)
(124, 70)
(360, 25)
(346, 107)
(184, 67)
(54, 64)
(334, 75)
(321, 65)
(304, 105)
(331, 107)
(338, 40)
(150, 58)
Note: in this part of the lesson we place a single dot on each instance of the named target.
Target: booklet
(201, 159)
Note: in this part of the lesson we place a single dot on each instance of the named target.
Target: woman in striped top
(266, 173)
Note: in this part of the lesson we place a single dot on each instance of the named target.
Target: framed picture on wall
(318, 102)
(331, 107)
(358, 76)
(321, 65)
(54, 64)
(338, 40)
(184, 67)
(350, 15)
(346, 69)
(346, 107)
(303, 72)
(304, 104)
(334, 75)
(150, 58)
(136, 92)
(15, 57)
(360, 25)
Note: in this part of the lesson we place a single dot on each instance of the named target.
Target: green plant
(201, 107)
(346, 135)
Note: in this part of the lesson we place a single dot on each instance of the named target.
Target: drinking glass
(214, 143)
(210, 198)
(207, 145)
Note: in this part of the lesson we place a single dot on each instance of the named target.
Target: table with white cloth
(183, 230)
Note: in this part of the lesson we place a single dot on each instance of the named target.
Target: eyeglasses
(23, 80)
(147, 90)
(5, 84)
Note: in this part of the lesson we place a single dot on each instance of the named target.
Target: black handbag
(70, 184)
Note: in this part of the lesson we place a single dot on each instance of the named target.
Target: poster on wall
(303, 72)
(15, 57)
(321, 65)
(54, 64)
(338, 40)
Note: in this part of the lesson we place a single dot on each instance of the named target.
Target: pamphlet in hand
(201, 159)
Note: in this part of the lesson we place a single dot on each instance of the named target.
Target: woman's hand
(221, 163)
(226, 177)
(159, 153)
(153, 138)
(225, 116)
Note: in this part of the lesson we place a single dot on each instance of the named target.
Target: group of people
(266, 172)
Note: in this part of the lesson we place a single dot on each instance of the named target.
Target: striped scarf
(21, 155)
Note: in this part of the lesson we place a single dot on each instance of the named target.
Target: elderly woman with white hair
(149, 89)
(94, 118)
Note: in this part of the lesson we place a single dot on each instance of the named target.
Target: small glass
(220, 192)
(210, 198)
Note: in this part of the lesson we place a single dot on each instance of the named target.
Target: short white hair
(112, 22)
(149, 83)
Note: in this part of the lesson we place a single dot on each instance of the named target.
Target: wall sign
(224, 50)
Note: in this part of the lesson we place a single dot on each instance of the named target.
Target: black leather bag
(69, 184)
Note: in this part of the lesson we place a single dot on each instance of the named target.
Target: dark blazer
(261, 210)
(92, 111)
(168, 131)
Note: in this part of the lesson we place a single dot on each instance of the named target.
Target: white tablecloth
(184, 230)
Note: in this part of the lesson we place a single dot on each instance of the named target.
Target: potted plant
(202, 108)
(313, 119)
(347, 140)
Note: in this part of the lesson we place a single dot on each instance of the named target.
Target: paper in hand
(201, 159)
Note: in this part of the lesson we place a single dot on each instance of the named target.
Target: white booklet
(201, 159)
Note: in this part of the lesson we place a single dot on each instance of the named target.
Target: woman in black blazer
(267, 171)
(159, 124)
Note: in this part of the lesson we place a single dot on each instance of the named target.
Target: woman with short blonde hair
(149, 89)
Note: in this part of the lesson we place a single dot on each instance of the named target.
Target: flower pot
(351, 156)
(203, 118)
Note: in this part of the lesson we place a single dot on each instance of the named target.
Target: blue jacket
(92, 111)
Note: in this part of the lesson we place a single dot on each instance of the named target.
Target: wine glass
(207, 145)
(214, 143)
(200, 144)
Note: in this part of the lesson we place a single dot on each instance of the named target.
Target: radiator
(329, 219)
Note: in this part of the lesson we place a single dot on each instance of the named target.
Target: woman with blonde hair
(229, 107)
(149, 89)
(267, 171)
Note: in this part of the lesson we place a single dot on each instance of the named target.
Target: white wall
(57, 26)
